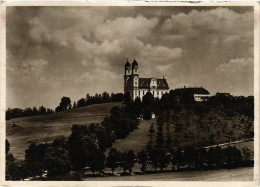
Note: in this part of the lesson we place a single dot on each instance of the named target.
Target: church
(138, 87)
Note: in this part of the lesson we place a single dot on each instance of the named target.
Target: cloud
(236, 74)
(219, 20)
(126, 27)
(34, 67)
(157, 53)
(100, 40)
(74, 50)
(237, 65)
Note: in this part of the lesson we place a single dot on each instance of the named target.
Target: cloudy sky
(70, 51)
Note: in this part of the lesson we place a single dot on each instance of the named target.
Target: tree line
(18, 112)
(228, 104)
(65, 104)
(58, 160)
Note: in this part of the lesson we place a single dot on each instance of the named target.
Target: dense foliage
(18, 112)
(99, 98)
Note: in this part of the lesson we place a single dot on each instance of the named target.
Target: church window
(143, 92)
(135, 83)
(135, 92)
(139, 92)
(153, 93)
(157, 92)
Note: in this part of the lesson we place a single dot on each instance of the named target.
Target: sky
(71, 51)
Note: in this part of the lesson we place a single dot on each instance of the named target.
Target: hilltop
(45, 128)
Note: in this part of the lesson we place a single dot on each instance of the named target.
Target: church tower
(135, 82)
(127, 76)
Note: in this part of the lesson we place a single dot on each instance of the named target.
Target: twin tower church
(138, 87)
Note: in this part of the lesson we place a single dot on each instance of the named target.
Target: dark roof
(134, 63)
(145, 83)
(127, 64)
(195, 90)
(162, 84)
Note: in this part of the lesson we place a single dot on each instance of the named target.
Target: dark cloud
(56, 51)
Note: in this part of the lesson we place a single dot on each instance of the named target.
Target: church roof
(127, 64)
(145, 83)
(134, 63)
(162, 84)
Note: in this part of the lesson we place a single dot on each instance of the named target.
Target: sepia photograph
(157, 92)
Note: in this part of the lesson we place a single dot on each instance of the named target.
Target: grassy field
(240, 174)
(136, 140)
(46, 128)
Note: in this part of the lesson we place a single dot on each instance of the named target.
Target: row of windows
(130, 70)
(158, 92)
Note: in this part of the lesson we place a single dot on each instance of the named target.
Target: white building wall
(199, 97)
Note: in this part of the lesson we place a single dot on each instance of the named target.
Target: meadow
(45, 128)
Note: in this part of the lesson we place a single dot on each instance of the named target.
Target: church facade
(138, 87)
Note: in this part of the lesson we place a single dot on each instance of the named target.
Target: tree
(190, 156)
(112, 159)
(154, 155)
(147, 112)
(127, 98)
(58, 109)
(247, 155)
(169, 139)
(35, 152)
(148, 99)
(164, 159)
(151, 130)
(137, 106)
(130, 160)
(215, 157)
(42, 110)
(56, 161)
(123, 160)
(60, 141)
(13, 171)
(74, 105)
(97, 161)
(34, 111)
(105, 97)
(65, 103)
(232, 157)
(7, 146)
(173, 158)
(201, 159)
(80, 144)
(179, 157)
(159, 138)
(81, 102)
(143, 160)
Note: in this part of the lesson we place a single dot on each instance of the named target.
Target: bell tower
(127, 77)
(135, 82)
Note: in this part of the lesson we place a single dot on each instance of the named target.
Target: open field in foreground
(240, 174)
(45, 128)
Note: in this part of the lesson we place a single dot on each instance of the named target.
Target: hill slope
(46, 128)
(136, 140)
